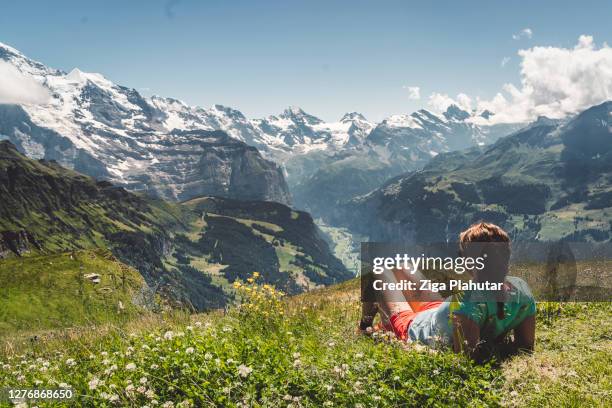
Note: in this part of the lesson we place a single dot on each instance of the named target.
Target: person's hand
(367, 331)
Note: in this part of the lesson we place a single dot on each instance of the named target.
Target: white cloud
(17, 88)
(524, 33)
(440, 102)
(414, 92)
(504, 61)
(555, 82)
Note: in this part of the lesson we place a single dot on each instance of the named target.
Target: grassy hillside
(66, 289)
(544, 183)
(189, 253)
(302, 352)
(229, 239)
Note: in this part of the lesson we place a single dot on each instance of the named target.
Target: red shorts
(401, 321)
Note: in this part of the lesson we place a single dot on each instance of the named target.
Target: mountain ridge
(189, 254)
(549, 181)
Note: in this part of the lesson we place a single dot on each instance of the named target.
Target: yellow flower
(255, 275)
(250, 280)
(237, 284)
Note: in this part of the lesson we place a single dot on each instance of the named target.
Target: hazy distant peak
(351, 116)
(454, 112)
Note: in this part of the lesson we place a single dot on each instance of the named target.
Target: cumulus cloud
(555, 82)
(414, 92)
(524, 33)
(504, 61)
(16, 88)
(440, 102)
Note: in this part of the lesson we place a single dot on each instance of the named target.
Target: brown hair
(483, 232)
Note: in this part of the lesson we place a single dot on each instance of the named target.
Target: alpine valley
(159, 202)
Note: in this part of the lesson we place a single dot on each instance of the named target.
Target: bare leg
(391, 302)
(416, 298)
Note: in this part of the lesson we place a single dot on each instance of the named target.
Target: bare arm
(524, 334)
(466, 335)
(368, 313)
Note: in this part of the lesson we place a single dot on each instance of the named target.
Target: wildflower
(288, 397)
(255, 275)
(237, 285)
(154, 366)
(104, 354)
(189, 328)
(144, 380)
(229, 361)
(106, 361)
(168, 335)
(113, 398)
(328, 404)
(130, 367)
(129, 388)
(331, 344)
(329, 387)
(244, 371)
(296, 355)
(37, 382)
(189, 350)
(168, 404)
(419, 347)
(142, 389)
(207, 356)
(198, 324)
(359, 355)
(63, 385)
(93, 383)
(297, 363)
(150, 394)
(396, 378)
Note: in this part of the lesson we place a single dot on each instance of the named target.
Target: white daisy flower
(244, 371)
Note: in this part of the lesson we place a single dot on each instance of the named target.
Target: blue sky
(328, 57)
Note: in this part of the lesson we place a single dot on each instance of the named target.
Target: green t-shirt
(434, 326)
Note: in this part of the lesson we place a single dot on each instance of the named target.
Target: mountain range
(165, 147)
(551, 180)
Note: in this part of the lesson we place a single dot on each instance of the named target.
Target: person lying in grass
(468, 321)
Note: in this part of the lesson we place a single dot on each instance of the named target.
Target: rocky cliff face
(159, 145)
(189, 164)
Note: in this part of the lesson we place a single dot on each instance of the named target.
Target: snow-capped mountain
(298, 132)
(110, 131)
(424, 133)
(161, 145)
